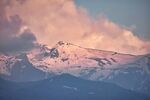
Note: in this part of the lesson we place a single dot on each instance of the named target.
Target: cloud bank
(11, 38)
(55, 20)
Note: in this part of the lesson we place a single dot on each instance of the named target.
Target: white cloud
(54, 20)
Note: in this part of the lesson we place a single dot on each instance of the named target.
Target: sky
(118, 25)
(133, 14)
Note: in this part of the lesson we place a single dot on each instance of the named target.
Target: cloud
(54, 20)
(11, 39)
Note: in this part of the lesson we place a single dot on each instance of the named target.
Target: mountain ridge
(66, 87)
(81, 62)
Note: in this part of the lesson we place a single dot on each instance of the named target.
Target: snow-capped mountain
(129, 71)
(66, 58)
(18, 68)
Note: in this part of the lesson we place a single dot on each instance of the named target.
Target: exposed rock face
(54, 53)
(60, 43)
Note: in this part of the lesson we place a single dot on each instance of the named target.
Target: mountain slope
(128, 71)
(18, 68)
(65, 57)
(65, 87)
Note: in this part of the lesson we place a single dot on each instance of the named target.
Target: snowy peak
(69, 58)
(62, 43)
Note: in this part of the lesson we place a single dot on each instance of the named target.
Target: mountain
(65, 87)
(126, 70)
(18, 68)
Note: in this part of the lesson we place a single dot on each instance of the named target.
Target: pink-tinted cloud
(11, 38)
(54, 20)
